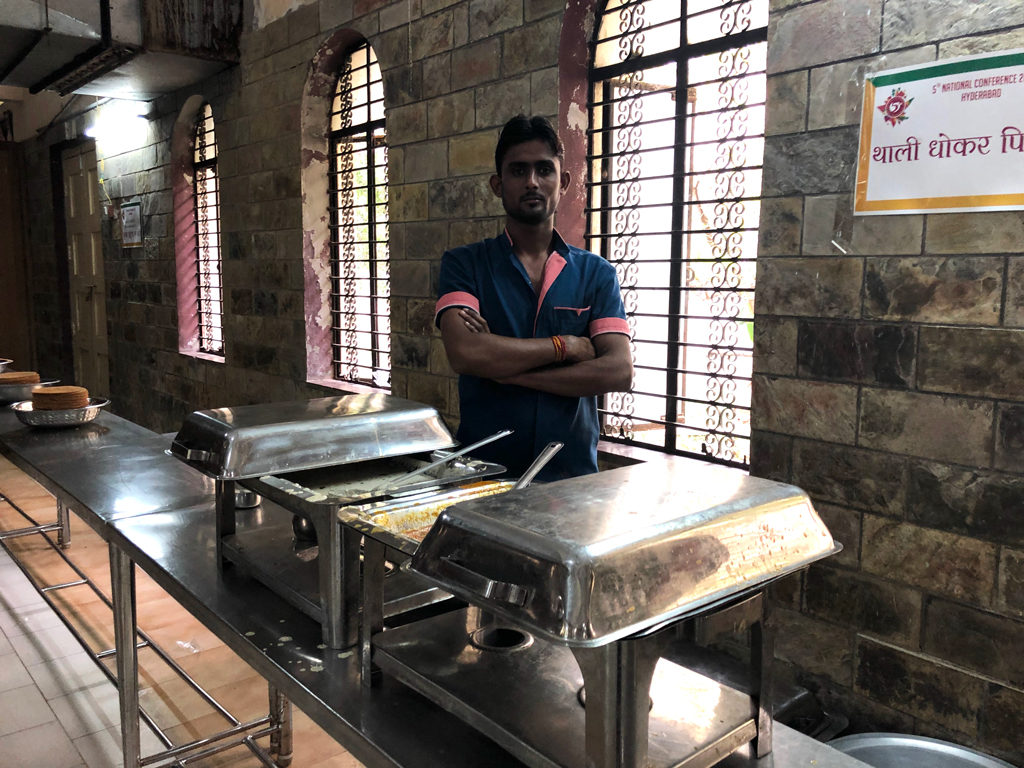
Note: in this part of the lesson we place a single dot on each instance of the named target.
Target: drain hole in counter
(495, 638)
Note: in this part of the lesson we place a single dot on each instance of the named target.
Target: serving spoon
(398, 482)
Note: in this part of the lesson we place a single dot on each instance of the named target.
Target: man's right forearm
(610, 371)
(491, 356)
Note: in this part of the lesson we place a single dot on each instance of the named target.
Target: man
(534, 327)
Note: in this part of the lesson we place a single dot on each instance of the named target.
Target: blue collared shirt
(579, 296)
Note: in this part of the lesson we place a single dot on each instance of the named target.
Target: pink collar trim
(552, 269)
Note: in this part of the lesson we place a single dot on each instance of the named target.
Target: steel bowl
(4, 362)
(71, 417)
(899, 750)
(12, 393)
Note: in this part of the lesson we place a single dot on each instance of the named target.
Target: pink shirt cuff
(455, 299)
(608, 325)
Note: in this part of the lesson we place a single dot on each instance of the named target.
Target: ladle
(538, 464)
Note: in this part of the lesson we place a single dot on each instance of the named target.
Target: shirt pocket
(572, 320)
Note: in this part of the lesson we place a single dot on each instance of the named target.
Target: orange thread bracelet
(559, 344)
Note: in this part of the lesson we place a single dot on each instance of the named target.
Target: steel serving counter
(158, 514)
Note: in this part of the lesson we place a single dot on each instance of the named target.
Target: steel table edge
(11, 428)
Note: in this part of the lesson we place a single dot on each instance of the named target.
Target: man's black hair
(521, 129)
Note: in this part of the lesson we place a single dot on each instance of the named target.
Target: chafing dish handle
(190, 454)
(499, 591)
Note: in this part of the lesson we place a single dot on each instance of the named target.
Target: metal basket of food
(13, 393)
(70, 417)
(403, 523)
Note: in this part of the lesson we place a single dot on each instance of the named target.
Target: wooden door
(85, 264)
(15, 335)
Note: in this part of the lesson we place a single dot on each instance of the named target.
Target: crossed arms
(591, 366)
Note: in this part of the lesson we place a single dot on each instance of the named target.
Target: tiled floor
(59, 710)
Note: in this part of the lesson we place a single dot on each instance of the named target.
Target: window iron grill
(358, 207)
(676, 141)
(206, 197)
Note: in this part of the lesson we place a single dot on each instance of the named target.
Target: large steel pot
(900, 750)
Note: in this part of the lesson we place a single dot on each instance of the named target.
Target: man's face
(531, 182)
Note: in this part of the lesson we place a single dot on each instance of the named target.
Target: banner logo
(894, 110)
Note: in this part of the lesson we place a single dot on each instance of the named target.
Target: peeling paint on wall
(207, 28)
(267, 11)
(576, 118)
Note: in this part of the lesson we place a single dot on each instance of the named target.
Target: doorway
(87, 288)
(15, 334)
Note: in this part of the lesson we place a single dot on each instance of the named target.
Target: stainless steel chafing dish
(586, 561)
(577, 587)
(254, 440)
(344, 467)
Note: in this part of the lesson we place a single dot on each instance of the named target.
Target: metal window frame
(208, 260)
(600, 206)
(348, 342)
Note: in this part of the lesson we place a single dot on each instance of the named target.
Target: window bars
(206, 197)
(676, 141)
(358, 205)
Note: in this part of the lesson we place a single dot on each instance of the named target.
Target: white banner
(943, 137)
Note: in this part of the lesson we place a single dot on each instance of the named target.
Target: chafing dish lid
(253, 440)
(592, 559)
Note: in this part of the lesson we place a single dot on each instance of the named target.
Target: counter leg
(617, 683)
(64, 531)
(762, 651)
(225, 494)
(338, 564)
(351, 563)
(122, 586)
(281, 717)
(374, 554)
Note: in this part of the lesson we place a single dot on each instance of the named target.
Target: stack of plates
(64, 398)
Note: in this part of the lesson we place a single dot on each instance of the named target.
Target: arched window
(358, 205)
(197, 254)
(675, 145)
(206, 200)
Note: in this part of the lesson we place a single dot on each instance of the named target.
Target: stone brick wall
(888, 369)
(454, 72)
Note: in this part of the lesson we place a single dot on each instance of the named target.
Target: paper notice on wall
(943, 137)
(131, 225)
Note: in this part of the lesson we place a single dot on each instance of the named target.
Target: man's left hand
(474, 321)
